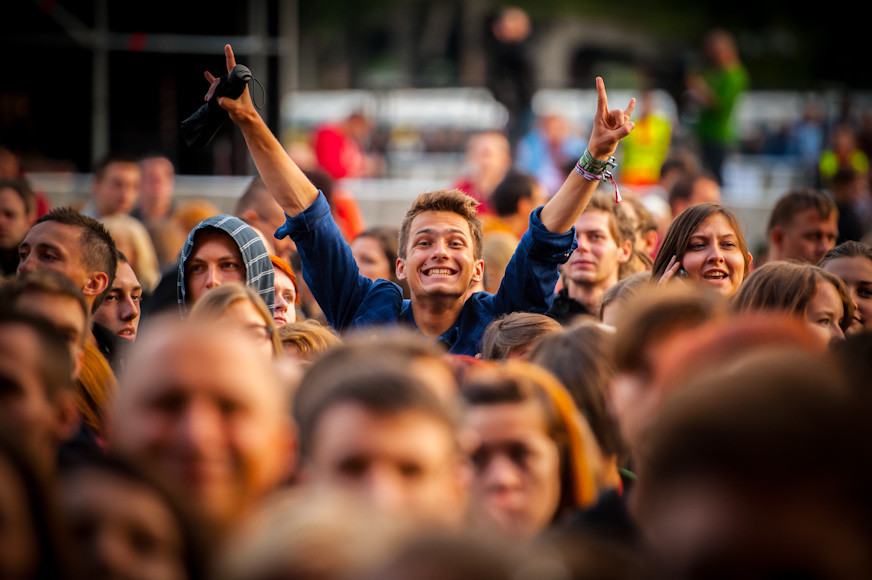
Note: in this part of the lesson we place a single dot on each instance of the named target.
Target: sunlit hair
(129, 232)
(310, 337)
(788, 286)
(681, 230)
(215, 302)
(445, 200)
(514, 332)
(95, 389)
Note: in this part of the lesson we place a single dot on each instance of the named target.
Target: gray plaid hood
(259, 272)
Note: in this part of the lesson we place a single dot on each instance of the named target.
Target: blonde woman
(240, 305)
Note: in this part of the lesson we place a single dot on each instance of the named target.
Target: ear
(478, 271)
(250, 216)
(401, 269)
(67, 416)
(776, 236)
(625, 250)
(97, 283)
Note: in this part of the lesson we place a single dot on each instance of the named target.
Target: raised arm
(609, 127)
(289, 185)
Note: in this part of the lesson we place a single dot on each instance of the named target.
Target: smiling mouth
(438, 272)
(715, 275)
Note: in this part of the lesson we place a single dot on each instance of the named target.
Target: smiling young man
(440, 251)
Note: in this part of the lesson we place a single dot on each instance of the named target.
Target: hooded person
(219, 249)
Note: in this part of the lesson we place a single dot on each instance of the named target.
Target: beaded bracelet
(594, 169)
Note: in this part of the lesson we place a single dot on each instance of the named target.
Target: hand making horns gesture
(609, 126)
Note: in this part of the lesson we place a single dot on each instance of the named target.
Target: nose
(716, 254)
(213, 277)
(26, 265)
(385, 489)
(440, 249)
(501, 474)
(129, 309)
(281, 305)
(198, 429)
(836, 333)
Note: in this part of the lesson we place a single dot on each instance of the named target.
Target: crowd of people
(515, 382)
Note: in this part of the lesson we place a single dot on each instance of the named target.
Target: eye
(136, 297)
(519, 454)
(824, 321)
(864, 292)
(410, 470)
(231, 266)
(195, 268)
(111, 297)
(353, 467)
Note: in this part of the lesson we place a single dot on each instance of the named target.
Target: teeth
(439, 272)
(716, 275)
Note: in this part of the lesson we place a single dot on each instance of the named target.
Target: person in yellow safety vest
(646, 148)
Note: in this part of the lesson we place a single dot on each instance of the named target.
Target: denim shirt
(351, 301)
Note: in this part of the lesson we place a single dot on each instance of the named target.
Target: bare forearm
(565, 207)
(288, 184)
(286, 181)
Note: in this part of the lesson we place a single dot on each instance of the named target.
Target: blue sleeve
(331, 272)
(532, 274)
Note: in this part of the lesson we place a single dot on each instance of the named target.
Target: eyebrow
(430, 231)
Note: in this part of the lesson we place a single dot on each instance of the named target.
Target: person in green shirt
(717, 91)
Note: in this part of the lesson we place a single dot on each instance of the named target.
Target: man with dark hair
(115, 186)
(36, 401)
(80, 248)
(120, 310)
(441, 239)
(373, 426)
(17, 214)
(693, 189)
(803, 226)
(512, 202)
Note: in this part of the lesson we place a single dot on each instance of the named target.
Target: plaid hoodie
(259, 272)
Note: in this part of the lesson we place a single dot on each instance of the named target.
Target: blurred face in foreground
(122, 527)
(516, 482)
(203, 409)
(405, 463)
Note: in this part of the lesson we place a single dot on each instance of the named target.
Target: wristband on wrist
(594, 169)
